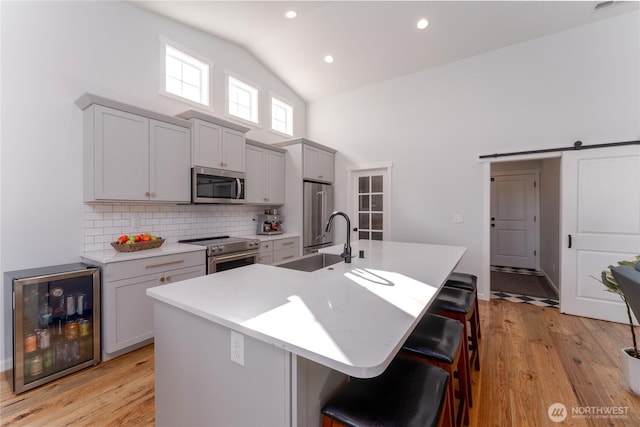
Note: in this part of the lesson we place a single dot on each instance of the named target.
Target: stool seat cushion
(454, 300)
(408, 393)
(465, 281)
(435, 337)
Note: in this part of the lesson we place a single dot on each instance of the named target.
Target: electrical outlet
(458, 218)
(237, 348)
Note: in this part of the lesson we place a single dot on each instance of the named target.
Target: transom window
(185, 76)
(243, 99)
(281, 116)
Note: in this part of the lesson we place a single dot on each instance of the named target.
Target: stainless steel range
(225, 253)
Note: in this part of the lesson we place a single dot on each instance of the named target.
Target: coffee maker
(270, 222)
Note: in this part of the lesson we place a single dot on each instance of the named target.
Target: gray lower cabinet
(127, 311)
(276, 250)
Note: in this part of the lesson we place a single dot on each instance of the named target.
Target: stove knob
(221, 248)
(214, 248)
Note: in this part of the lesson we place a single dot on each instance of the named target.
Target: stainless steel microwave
(216, 186)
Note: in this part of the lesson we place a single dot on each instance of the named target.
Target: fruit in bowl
(128, 240)
(133, 242)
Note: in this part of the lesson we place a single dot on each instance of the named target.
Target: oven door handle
(234, 257)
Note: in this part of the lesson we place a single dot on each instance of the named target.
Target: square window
(242, 99)
(364, 202)
(184, 76)
(363, 221)
(281, 116)
(376, 184)
(363, 184)
(375, 235)
(376, 202)
(376, 221)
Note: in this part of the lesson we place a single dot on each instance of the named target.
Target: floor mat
(525, 271)
(533, 285)
(540, 302)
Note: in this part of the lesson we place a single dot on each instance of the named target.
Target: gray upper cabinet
(132, 154)
(216, 143)
(317, 164)
(315, 160)
(265, 176)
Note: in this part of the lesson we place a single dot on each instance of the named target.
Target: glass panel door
(372, 203)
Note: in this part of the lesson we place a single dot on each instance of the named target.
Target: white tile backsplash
(104, 222)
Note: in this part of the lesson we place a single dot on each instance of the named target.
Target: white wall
(550, 219)
(53, 52)
(545, 93)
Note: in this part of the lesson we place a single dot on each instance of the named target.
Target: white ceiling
(373, 41)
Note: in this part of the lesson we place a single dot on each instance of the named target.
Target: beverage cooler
(56, 323)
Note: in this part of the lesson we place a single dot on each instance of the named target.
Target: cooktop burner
(219, 245)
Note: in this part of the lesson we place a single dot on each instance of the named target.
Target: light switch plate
(458, 218)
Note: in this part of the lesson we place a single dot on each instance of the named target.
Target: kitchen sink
(311, 262)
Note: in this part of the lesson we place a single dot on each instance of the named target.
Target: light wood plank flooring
(531, 358)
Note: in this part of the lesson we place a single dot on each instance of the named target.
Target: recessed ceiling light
(422, 24)
(291, 14)
(328, 59)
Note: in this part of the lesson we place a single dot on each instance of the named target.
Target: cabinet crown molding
(89, 99)
(306, 142)
(195, 114)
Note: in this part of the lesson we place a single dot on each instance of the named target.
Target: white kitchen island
(301, 333)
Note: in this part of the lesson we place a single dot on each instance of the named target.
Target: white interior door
(600, 226)
(513, 221)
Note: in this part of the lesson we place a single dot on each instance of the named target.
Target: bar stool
(468, 282)
(439, 340)
(459, 304)
(408, 393)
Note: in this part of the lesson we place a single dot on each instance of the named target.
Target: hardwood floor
(531, 358)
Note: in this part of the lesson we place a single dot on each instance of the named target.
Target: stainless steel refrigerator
(318, 206)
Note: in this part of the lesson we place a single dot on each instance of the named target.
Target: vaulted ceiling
(373, 41)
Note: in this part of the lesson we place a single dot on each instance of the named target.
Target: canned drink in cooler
(81, 304)
(44, 339)
(48, 358)
(84, 328)
(71, 305)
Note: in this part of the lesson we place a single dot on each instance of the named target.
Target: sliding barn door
(600, 225)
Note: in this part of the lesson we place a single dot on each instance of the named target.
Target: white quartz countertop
(270, 237)
(349, 317)
(107, 256)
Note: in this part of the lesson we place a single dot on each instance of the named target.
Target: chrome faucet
(346, 254)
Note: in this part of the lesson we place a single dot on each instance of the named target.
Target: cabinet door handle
(147, 194)
(168, 278)
(153, 194)
(570, 242)
(162, 280)
(160, 264)
(287, 243)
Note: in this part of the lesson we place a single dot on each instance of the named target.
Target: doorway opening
(525, 230)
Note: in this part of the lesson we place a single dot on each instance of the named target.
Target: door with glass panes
(371, 203)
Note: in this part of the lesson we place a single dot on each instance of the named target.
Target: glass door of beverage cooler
(56, 324)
